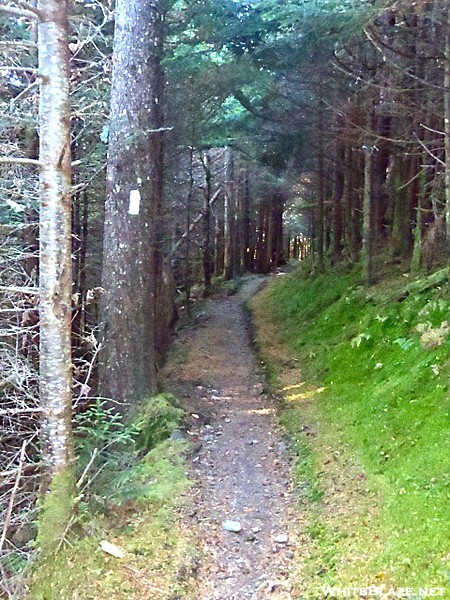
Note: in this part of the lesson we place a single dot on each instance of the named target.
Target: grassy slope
(369, 417)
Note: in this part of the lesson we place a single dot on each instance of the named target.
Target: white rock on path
(281, 539)
(233, 526)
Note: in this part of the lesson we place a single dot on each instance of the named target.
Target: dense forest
(153, 154)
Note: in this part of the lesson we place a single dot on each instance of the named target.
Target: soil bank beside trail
(240, 467)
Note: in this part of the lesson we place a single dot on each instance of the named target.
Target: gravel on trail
(243, 501)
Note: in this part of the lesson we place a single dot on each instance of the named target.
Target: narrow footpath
(240, 464)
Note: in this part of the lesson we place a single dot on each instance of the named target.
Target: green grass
(382, 356)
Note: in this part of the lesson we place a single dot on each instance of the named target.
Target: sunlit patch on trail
(288, 388)
(307, 395)
(261, 411)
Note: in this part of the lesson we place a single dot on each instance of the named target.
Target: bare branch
(19, 69)
(13, 495)
(432, 130)
(25, 92)
(88, 466)
(19, 290)
(193, 224)
(20, 411)
(424, 146)
(17, 44)
(28, 12)
(7, 160)
(376, 43)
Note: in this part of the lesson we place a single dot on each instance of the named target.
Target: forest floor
(240, 465)
(294, 443)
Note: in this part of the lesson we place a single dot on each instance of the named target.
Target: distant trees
(371, 101)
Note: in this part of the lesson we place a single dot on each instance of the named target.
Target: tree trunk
(277, 257)
(55, 273)
(218, 243)
(229, 217)
(447, 132)
(337, 201)
(164, 303)
(187, 283)
(367, 241)
(133, 188)
(206, 244)
(321, 192)
(246, 224)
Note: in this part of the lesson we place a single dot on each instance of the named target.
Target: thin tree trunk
(206, 245)
(229, 213)
(218, 243)
(246, 223)
(447, 131)
(321, 191)
(55, 273)
(187, 271)
(277, 257)
(337, 201)
(367, 241)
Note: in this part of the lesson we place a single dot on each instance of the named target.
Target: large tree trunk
(128, 307)
(55, 272)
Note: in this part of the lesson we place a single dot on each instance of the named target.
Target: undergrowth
(132, 486)
(369, 419)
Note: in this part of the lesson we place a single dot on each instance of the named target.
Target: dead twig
(13, 495)
(140, 578)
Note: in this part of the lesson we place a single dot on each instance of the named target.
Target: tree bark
(229, 217)
(55, 281)
(367, 242)
(447, 132)
(128, 363)
(55, 273)
(320, 233)
(338, 194)
(206, 244)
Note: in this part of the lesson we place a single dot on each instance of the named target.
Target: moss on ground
(135, 501)
(364, 376)
(56, 511)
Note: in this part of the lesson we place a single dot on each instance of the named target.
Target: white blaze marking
(135, 202)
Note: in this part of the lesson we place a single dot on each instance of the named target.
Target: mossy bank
(132, 498)
(364, 377)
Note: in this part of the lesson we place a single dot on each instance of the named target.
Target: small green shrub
(159, 418)
(119, 472)
(102, 427)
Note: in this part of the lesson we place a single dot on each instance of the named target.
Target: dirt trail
(240, 466)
